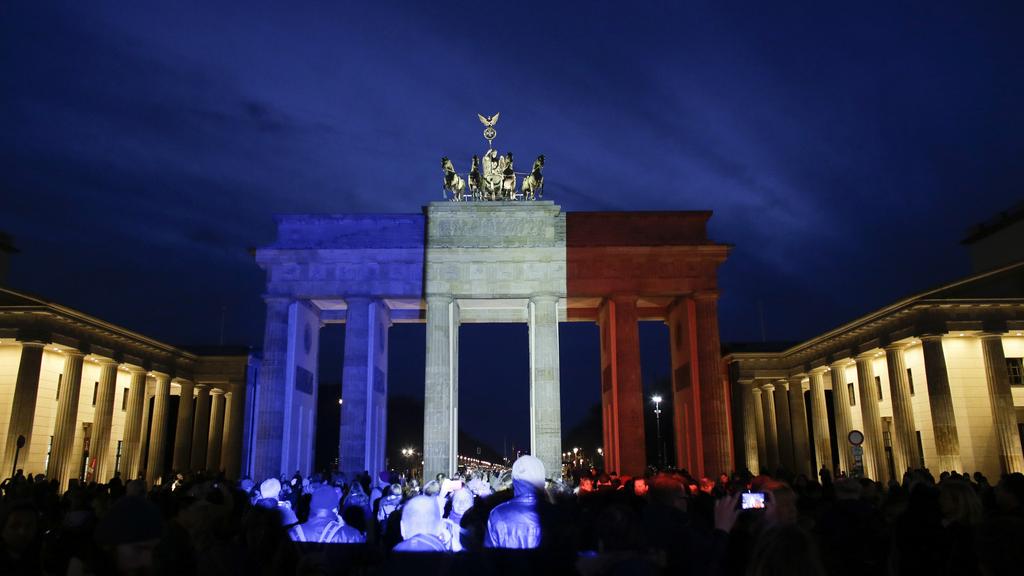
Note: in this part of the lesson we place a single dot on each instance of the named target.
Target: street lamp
(657, 416)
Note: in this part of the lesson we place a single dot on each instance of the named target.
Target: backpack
(327, 535)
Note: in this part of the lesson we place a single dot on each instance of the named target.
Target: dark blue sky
(843, 149)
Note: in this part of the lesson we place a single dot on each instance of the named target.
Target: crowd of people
(665, 522)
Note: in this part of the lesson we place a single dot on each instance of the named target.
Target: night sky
(844, 150)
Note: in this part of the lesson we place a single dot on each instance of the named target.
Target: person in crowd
(516, 524)
(462, 501)
(270, 493)
(19, 529)
(324, 525)
(421, 527)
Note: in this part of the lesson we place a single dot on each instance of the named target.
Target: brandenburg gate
(493, 254)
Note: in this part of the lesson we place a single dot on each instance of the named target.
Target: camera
(752, 501)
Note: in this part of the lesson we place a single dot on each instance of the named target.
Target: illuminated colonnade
(79, 390)
(929, 381)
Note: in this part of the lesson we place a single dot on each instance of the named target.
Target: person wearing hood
(516, 523)
(421, 527)
(324, 525)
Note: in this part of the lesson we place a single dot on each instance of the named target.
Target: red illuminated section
(623, 267)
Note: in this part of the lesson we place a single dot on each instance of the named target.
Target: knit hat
(325, 498)
(131, 519)
(529, 469)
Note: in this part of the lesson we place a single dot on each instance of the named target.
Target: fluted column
(201, 428)
(621, 389)
(1004, 417)
(798, 417)
(874, 447)
(714, 404)
(545, 396)
(158, 429)
(905, 450)
(771, 432)
(270, 412)
(819, 421)
(750, 432)
(216, 431)
(783, 424)
(132, 449)
(183, 429)
(364, 386)
(67, 419)
(23, 407)
(441, 403)
(232, 456)
(940, 403)
(841, 409)
(103, 418)
(762, 446)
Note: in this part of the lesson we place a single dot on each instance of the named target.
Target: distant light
(340, 401)
(656, 397)
(600, 450)
(1018, 333)
(575, 450)
(961, 333)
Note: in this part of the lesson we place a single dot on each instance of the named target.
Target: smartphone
(752, 500)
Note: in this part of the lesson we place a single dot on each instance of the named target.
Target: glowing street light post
(657, 416)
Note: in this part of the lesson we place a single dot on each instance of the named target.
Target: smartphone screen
(752, 500)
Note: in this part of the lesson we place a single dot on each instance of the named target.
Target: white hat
(529, 469)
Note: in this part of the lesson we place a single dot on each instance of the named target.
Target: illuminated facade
(461, 262)
(91, 398)
(933, 380)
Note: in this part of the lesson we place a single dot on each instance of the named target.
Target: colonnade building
(934, 380)
(91, 398)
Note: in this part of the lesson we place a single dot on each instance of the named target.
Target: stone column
(232, 456)
(132, 449)
(216, 432)
(201, 428)
(66, 423)
(762, 446)
(770, 430)
(441, 400)
(682, 329)
(841, 407)
(1004, 417)
(23, 408)
(714, 404)
(783, 424)
(545, 398)
(625, 451)
(905, 452)
(364, 387)
(147, 407)
(183, 430)
(269, 442)
(819, 421)
(940, 402)
(874, 447)
(158, 430)
(750, 432)
(102, 419)
(798, 417)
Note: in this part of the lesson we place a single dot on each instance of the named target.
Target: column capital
(544, 298)
(894, 347)
(439, 298)
(782, 384)
(768, 387)
(817, 371)
(72, 353)
(32, 343)
(991, 335)
(840, 364)
(869, 355)
(756, 390)
(105, 361)
(931, 336)
(160, 376)
(216, 391)
(705, 295)
(797, 378)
